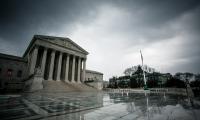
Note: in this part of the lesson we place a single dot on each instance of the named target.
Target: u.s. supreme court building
(47, 58)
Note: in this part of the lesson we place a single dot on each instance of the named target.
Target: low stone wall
(124, 90)
(178, 91)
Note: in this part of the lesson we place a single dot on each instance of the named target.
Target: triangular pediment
(64, 42)
(60, 41)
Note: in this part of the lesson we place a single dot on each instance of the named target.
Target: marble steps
(82, 87)
(60, 86)
(56, 86)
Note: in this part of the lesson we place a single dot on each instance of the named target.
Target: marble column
(51, 65)
(73, 69)
(67, 69)
(83, 71)
(44, 57)
(59, 66)
(33, 59)
(79, 70)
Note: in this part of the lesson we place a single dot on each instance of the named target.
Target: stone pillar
(73, 69)
(33, 59)
(59, 66)
(51, 65)
(67, 69)
(79, 70)
(44, 61)
(83, 71)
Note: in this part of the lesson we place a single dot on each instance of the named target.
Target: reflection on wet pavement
(97, 106)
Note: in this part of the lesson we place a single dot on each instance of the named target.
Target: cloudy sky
(112, 31)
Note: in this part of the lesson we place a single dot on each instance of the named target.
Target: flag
(141, 56)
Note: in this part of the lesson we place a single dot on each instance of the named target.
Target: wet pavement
(97, 106)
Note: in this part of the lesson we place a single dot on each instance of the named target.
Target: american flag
(141, 56)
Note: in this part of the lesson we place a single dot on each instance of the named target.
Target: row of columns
(80, 76)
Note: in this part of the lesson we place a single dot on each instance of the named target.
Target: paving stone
(95, 106)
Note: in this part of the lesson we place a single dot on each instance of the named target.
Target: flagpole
(145, 82)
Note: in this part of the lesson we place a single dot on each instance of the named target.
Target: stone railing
(120, 90)
(178, 91)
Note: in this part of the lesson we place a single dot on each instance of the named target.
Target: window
(19, 73)
(9, 72)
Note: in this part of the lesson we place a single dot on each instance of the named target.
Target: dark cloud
(154, 17)
(30, 15)
(147, 22)
(20, 20)
(190, 65)
(157, 12)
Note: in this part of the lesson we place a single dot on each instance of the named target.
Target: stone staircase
(60, 86)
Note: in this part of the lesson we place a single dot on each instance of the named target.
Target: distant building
(185, 76)
(94, 78)
(119, 82)
(13, 70)
(46, 58)
(136, 80)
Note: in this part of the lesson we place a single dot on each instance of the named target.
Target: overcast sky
(112, 31)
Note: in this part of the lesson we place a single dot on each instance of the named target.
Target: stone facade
(13, 70)
(49, 58)
(94, 79)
